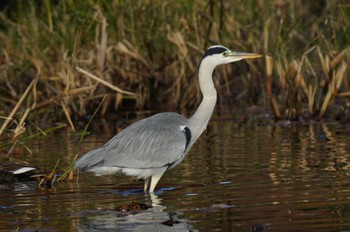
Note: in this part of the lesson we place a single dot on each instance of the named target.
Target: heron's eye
(225, 53)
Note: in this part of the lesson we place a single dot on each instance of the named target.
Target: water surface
(286, 177)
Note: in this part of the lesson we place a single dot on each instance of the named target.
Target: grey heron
(151, 146)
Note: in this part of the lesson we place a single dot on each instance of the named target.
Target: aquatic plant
(58, 59)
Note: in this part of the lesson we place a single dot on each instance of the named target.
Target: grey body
(149, 147)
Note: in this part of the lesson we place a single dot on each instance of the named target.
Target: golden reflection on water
(236, 177)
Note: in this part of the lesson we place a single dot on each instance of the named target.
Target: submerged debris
(209, 209)
(261, 227)
(133, 206)
(171, 222)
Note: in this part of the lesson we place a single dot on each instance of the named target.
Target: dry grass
(59, 64)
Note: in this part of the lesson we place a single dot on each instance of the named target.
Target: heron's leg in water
(154, 181)
(146, 184)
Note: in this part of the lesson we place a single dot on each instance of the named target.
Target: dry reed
(143, 55)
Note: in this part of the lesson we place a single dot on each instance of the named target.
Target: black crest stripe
(211, 51)
(214, 50)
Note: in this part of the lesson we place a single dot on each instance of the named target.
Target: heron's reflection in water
(152, 219)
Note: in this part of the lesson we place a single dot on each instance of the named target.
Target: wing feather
(153, 142)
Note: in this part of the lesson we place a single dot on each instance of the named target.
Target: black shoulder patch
(188, 136)
(214, 50)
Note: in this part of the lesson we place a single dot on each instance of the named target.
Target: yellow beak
(244, 55)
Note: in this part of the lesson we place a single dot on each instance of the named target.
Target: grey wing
(153, 142)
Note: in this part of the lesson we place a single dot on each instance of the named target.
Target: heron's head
(218, 54)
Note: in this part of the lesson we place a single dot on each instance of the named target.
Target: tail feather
(91, 159)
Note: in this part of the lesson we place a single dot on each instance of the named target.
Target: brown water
(236, 178)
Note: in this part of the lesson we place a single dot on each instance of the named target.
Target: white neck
(199, 121)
